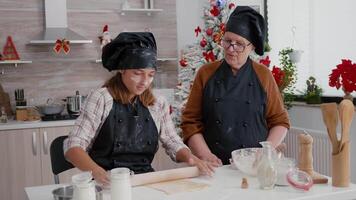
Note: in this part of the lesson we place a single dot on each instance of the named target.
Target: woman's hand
(211, 158)
(101, 176)
(205, 168)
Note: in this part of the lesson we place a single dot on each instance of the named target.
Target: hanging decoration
(10, 52)
(61, 44)
(105, 38)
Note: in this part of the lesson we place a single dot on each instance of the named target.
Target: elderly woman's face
(237, 49)
(138, 80)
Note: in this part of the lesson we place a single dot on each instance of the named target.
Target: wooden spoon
(331, 118)
(346, 111)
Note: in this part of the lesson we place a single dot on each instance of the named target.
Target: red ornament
(231, 6)
(9, 52)
(61, 44)
(209, 31)
(209, 56)
(203, 42)
(197, 31)
(266, 61)
(215, 11)
(222, 27)
(183, 62)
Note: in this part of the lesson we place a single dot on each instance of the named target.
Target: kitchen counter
(13, 124)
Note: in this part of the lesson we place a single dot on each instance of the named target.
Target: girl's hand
(101, 176)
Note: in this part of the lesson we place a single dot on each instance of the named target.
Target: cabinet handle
(45, 143)
(34, 144)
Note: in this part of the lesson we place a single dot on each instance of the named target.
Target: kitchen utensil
(341, 166)
(66, 193)
(165, 175)
(346, 111)
(74, 103)
(331, 118)
(50, 108)
(247, 159)
(305, 158)
(299, 180)
(266, 170)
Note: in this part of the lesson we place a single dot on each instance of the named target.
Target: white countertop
(13, 124)
(224, 185)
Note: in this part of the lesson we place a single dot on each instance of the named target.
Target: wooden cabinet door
(47, 136)
(20, 162)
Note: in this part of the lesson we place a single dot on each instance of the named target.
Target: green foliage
(290, 78)
(313, 92)
(267, 47)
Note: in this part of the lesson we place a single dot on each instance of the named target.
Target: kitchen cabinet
(25, 160)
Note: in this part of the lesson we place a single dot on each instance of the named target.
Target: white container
(120, 184)
(83, 187)
(284, 165)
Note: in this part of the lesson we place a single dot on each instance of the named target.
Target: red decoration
(197, 31)
(222, 27)
(61, 44)
(278, 75)
(183, 62)
(203, 42)
(215, 11)
(231, 6)
(209, 31)
(344, 75)
(209, 56)
(9, 52)
(266, 61)
(170, 109)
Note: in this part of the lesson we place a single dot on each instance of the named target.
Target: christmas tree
(207, 49)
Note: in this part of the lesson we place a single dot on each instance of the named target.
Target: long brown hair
(120, 93)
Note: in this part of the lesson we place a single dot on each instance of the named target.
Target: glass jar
(83, 187)
(283, 166)
(120, 184)
(266, 170)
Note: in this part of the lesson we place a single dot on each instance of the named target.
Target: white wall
(325, 31)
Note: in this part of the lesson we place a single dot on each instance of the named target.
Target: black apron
(128, 138)
(234, 111)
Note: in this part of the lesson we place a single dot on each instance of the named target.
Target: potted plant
(313, 92)
(344, 75)
(295, 55)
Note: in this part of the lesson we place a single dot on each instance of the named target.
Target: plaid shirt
(97, 108)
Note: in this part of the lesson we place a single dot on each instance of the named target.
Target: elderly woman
(122, 122)
(235, 103)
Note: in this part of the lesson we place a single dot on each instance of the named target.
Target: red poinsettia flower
(209, 31)
(265, 61)
(231, 6)
(197, 31)
(278, 75)
(215, 11)
(203, 42)
(209, 56)
(183, 62)
(344, 75)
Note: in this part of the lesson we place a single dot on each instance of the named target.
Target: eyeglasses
(235, 46)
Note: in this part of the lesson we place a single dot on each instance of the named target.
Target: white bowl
(247, 160)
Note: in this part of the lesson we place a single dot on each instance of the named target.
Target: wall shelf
(163, 59)
(148, 11)
(15, 62)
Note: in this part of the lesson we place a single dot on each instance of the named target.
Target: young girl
(122, 122)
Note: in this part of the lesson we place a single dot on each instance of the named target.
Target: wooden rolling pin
(166, 175)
